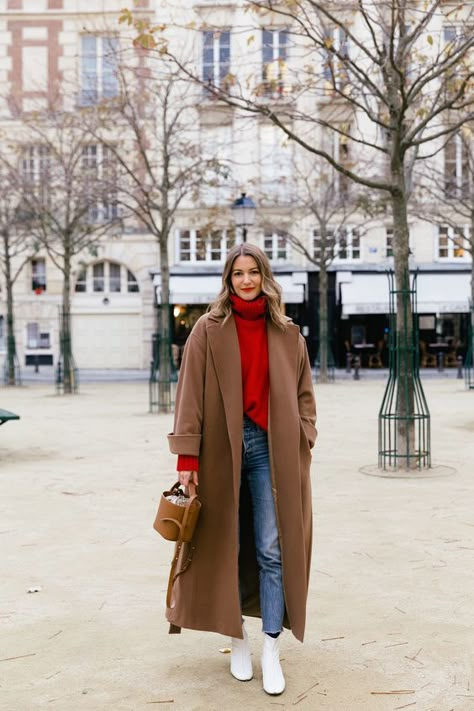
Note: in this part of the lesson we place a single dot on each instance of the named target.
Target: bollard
(459, 375)
(356, 367)
(348, 362)
(37, 370)
(440, 362)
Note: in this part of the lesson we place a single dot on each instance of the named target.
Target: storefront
(442, 305)
(192, 292)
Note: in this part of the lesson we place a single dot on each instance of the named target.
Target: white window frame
(128, 282)
(459, 187)
(389, 235)
(275, 164)
(275, 70)
(341, 143)
(219, 70)
(96, 158)
(35, 162)
(316, 238)
(335, 76)
(451, 246)
(349, 232)
(273, 249)
(41, 341)
(195, 235)
(38, 276)
(90, 96)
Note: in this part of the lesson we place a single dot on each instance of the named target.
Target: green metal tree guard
(163, 373)
(12, 364)
(469, 360)
(404, 418)
(67, 376)
(331, 364)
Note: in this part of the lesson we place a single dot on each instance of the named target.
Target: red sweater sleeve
(187, 463)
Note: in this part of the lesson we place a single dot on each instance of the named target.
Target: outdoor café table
(6, 415)
(364, 350)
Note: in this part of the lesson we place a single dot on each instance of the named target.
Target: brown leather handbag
(176, 520)
(178, 514)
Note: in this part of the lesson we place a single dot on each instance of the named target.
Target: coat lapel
(225, 350)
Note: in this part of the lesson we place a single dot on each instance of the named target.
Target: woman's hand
(185, 477)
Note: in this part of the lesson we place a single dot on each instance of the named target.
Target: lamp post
(243, 210)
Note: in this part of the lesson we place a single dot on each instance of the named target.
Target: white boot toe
(240, 658)
(273, 679)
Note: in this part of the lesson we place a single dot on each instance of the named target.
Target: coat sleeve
(186, 435)
(306, 400)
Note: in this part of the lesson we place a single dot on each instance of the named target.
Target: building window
(81, 280)
(323, 249)
(200, 246)
(114, 278)
(218, 187)
(456, 168)
(347, 244)
(38, 275)
(132, 284)
(35, 162)
(35, 338)
(334, 60)
(98, 277)
(389, 241)
(341, 153)
(98, 69)
(215, 58)
(99, 169)
(109, 277)
(274, 62)
(275, 245)
(452, 242)
(276, 163)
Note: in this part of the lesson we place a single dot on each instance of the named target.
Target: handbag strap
(179, 544)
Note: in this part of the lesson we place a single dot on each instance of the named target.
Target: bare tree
(333, 206)
(389, 78)
(67, 199)
(16, 249)
(161, 167)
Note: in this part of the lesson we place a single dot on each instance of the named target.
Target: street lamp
(243, 210)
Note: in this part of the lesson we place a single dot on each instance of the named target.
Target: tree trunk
(164, 331)
(404, 364)
(323, 324)
(68, 362)
(11, 345)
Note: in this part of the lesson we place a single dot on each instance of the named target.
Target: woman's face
(246, 279)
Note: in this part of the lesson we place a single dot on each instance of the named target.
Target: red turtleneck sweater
(252, 334)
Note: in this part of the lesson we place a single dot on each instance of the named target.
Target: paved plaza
(391, 608)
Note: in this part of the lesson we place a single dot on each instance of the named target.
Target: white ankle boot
(273, 679)
(240, 659)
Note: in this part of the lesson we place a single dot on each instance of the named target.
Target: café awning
(203, 288)
(436, 293)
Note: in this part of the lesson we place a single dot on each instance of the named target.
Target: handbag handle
(179, 543)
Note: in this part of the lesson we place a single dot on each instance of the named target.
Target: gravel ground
(390, 614)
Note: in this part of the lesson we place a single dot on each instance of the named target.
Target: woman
(244, 427)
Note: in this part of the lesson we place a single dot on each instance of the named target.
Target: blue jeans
(256, 468)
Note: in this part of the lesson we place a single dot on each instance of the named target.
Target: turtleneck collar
(249, 310)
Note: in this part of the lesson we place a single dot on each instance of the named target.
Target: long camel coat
(208, 424)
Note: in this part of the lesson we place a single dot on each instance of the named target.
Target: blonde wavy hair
(221, 307)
